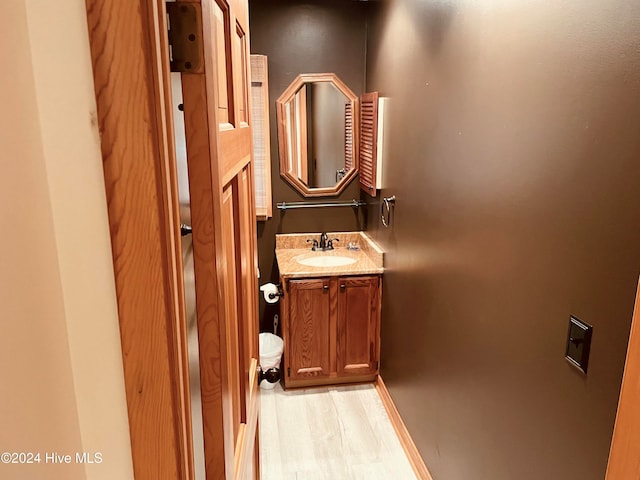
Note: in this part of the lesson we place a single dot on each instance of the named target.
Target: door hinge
(288, 371)
(184, 24)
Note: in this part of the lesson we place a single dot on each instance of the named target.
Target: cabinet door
(357, 323)
(309, 328)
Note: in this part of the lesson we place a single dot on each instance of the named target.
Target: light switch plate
(579, 343)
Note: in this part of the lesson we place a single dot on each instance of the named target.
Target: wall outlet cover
(578, 343)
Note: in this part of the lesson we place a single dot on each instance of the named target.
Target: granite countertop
(290, 247)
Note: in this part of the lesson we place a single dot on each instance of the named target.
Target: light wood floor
(333, 433)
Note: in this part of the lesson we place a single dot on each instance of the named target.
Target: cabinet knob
(342, 286)
(325, 287)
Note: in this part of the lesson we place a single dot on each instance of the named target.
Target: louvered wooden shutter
(348, 136)
(368, 141)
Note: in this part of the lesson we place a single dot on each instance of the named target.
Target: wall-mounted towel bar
(292, 205)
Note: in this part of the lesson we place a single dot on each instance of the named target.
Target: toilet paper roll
(270, 289)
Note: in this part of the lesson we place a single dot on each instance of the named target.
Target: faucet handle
(330, 243)
(314, 247)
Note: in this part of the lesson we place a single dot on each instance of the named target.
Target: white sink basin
(326, 261)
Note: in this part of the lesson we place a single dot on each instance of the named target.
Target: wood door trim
(623, 458)
(415, 459)
(130, 65)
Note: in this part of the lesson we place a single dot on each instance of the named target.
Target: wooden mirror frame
(287, 96)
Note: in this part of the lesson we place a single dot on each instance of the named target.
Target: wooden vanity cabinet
(331, 330)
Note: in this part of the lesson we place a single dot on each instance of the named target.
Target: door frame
(129, 53)
(624, 457)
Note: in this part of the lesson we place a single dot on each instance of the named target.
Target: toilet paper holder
(271, 295)
(278, 293)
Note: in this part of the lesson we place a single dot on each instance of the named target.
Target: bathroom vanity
(330, 309)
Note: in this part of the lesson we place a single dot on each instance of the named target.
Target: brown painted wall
(299, 37)
(515, 159)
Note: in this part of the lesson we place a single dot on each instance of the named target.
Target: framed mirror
(317, 134)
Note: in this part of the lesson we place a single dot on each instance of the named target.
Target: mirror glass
(316, 133)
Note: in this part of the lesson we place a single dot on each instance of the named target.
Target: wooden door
(308, 329)
(624, 459)
(219, 155)
(130, 58)
(357, 325)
